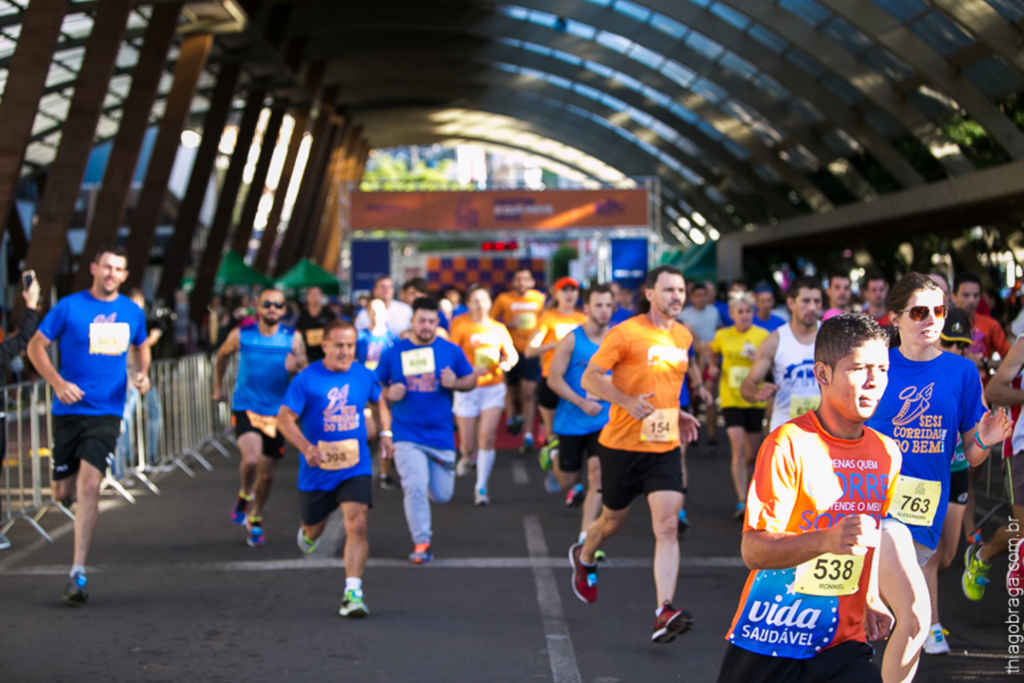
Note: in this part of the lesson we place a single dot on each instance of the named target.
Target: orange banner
(495, 210)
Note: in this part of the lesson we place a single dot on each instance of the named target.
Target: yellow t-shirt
(519, 314)
(737, 350)
(556, 325)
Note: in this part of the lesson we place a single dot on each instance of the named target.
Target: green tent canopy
(697, 262)
(305, 274)
(233, 271)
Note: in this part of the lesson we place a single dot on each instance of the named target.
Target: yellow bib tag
(799, 405)
(371, 364)
(418, 362)
(661, 426)
(265, 423)
(526, 321)
(339, 455)
(109, 339)
(562, 330)
(915, 500)
(829, 575)
(486, 357)
(737, 375)
(314, 337)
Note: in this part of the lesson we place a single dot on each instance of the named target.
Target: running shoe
(741, 509)
(463, 467)
(574, 498)
(352, 604)
(936, 643)
(515, 425)
(421, 554)
(239, 509)
(527, 445)
(481, 498)
(547, 454)
(670, 623)
(255, 528)
(75, 592)
(974, 538)
(387, 482)
(551, 484)
(684, 522)
(975, 576)
(305, 545)
(4, 542)
(600, 556)
(584, 578)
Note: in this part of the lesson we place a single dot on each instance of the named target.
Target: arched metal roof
(748, 110)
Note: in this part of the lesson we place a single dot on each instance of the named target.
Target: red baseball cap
(567, 282)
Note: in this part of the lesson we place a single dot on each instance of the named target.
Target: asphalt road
(176, 595)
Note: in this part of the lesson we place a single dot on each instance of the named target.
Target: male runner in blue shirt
(268, 355)
(95, 328)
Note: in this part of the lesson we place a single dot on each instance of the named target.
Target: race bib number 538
(109, 339)
(829, 575)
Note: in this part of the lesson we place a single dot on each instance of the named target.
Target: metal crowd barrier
(161, 431)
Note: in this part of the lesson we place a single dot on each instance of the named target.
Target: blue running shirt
(330, 408)
(262, 378)
(926, 406)
(424, 415)
(570, 420)
(94, 337)
(370, 347)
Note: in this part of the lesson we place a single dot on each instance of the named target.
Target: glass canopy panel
(846, 35)
(738, 65)
(807, 10)
(903, 10)
(669, 26)
(768, 39)
(631, 9)
(944, 36)
(729, 16)
(809, 65)
(1012, 10)
(994, 76)
(888, 65)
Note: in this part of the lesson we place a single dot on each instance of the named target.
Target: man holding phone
(97, 328)
(10, 348)
(820, 487)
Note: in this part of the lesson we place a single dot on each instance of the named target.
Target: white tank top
(1017, 440)
(793, 371)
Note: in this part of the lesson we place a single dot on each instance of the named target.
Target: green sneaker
(975, 574)
(305, 545)
(544, 457)
(352, 604)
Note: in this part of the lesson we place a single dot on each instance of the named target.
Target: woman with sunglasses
(931, 398)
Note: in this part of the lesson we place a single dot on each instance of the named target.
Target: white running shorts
(472, 403)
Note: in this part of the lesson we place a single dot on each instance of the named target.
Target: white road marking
(519, 473)
(563, 659)
(315, 562)
(61, 531)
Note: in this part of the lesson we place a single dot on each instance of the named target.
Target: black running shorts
(628, 474)
(959, 485)
(92, 438)
(315, 506)
(748, 418)
(848, 662)
(526, 370)
(546, 398)
(273, 446)
(572, 448)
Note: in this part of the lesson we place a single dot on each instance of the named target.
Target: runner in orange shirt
(553, 324)
(519, 310)
(490, 351)
(820, 488)
(639, 455)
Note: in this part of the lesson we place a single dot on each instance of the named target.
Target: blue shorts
(527, 369)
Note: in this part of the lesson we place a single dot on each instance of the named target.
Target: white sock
(484, 465)
(583, 537)
(528, 435)
(76, 569)
(353, 583)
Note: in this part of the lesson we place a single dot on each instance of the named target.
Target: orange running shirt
(519, 314)
(484, 345)
(807, 480)
(556, 325)
(642, 359)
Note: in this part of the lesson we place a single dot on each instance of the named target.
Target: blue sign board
(370, 260)
(629, 261)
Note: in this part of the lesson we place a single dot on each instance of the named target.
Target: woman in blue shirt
(931, 398)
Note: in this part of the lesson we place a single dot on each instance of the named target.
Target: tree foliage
(389, 174)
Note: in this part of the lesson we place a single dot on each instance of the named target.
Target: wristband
(977, 440)
(387, 433)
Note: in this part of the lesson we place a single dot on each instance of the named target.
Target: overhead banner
(629, 262)
(495, 210)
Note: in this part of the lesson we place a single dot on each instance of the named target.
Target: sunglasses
(920, 313)
(279, 305)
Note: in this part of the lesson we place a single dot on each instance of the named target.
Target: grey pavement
(176, 595)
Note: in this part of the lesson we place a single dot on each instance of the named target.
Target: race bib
(109, 339)
(661, 426)
(265, 423)
(339, 455)
(486, 357)
(737, 375)
(314, 337)
(799, 405)
(562, 330)
(526, 321)
(371, 364)
(418, 362)
(829, 575)
(915, 500)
